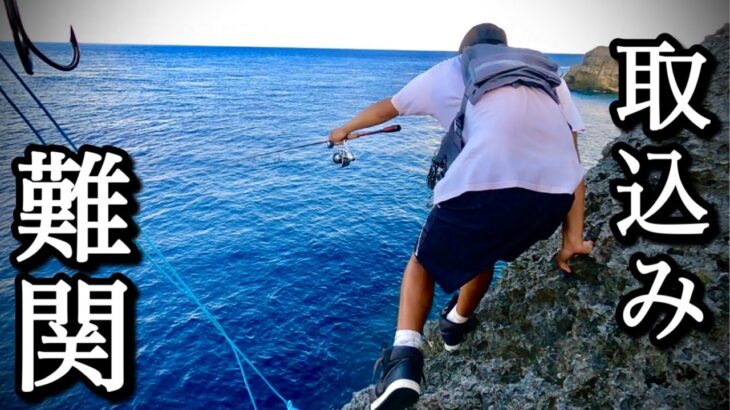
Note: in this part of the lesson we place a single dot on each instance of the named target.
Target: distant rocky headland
(549, 340)
(598, 72)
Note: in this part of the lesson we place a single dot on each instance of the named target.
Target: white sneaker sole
(452, 348)
(393, 387)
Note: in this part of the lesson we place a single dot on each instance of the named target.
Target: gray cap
(485, 33)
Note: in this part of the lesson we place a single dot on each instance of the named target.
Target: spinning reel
(343, 155)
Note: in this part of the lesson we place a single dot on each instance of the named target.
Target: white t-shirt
(513, 136)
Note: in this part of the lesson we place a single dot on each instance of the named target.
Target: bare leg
(472, 293)
(416, 296)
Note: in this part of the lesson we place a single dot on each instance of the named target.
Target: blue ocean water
(300, 260)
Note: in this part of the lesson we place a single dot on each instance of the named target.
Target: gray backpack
(487, 67)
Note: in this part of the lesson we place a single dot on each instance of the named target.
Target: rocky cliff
(597, 72)
(550, 340)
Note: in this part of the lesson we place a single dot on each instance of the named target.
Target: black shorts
(466, 235)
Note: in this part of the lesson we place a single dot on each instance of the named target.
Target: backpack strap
(451, 145)
(458, 122)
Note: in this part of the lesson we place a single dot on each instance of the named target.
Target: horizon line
(259, 47)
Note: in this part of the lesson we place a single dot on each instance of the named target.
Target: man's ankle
(455, 317)
(408, 337)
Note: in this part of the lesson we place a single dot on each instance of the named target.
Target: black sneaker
(453, 333)
(399, 385)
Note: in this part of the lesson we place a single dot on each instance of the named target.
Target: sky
(553, 26)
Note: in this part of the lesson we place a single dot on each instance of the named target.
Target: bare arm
(573, 243)
(573, 223)
(375, 114)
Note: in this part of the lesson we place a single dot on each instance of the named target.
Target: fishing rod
(343, 155)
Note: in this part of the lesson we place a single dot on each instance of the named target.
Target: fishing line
(40, 104)
(330, 144)
(173, 276)
(15, 107)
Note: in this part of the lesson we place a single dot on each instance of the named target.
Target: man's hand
(570, 250)
(338, 135)
(375, 114)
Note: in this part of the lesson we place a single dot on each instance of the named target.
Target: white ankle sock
(455, 317)
(408, 338)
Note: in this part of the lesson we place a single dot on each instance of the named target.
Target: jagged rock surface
(549, 340)
(598, 72)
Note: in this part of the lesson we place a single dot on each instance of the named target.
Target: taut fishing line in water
(24, 46)
(162, 265)
(343, 156)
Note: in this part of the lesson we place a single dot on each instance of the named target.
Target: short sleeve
(417, 97)
(570, 111)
